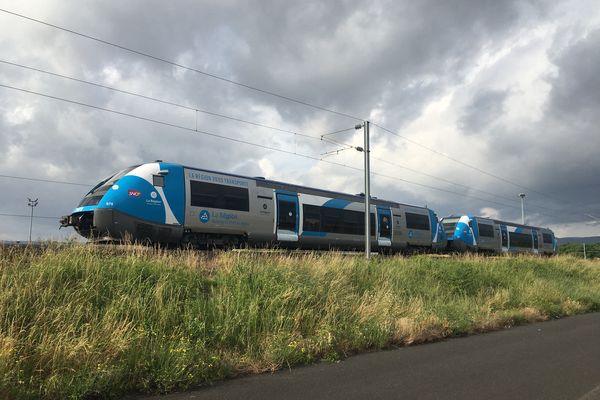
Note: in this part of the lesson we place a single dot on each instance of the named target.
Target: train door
(287, 217)
(536, 241)
(504, 235)
(384, 231)
(497, 238)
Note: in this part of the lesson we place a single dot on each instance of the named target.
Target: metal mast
(522, 196)
(31, 203)
(366, 152)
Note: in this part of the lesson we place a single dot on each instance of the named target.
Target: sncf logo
(134, 193)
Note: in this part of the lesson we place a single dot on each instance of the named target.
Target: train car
(174, 204)
(469, 233)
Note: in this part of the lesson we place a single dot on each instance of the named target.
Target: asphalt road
(558, 359)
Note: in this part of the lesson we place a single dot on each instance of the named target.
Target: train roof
(500, 222)
(307, 189)
(517, 225)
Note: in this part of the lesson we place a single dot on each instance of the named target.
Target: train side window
(219, 196)
(332, 220)
(521, 240)
(286, 219)
(335, 220)
(417, 221)
(486, 230)
(158, 180)
(312, 218)
(371, 224)
(385, 229)
(547, 238)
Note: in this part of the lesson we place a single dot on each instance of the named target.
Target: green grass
(88, 322)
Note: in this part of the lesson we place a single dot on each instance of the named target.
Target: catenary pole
(31, 203)
(522, 196)
(367, 193)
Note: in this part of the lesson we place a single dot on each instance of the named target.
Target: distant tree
(576, 249)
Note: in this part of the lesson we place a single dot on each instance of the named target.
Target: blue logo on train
(204, 216)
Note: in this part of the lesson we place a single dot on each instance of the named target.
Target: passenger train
(469, 233)
(172, 204)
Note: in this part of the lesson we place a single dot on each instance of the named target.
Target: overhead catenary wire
(438, 178)
(268, 92)
(174, 104)
(45, 180)
(164, 123)
(26, 216)
(267, 148)
(147, 119)
(315, 158)
(259, 145)
(473, 167)
(347, 147)
(455, 183)
(322, 137)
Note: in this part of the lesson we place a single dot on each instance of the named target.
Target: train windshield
(93, 196)
(449, 224)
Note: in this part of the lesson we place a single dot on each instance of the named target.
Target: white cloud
(111, 75)
(20, 115)
(490, 212)
(267, 168)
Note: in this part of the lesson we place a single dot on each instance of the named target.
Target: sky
(470, 103)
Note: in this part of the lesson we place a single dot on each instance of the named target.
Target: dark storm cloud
(573, 121)
(575, 90)
(350, 58)
(557, 155)
(334, 53)
(485, 107)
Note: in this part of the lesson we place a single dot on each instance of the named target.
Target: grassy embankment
(86, 322)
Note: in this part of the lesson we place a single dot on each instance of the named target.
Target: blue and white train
(173, 204)
(469, 233)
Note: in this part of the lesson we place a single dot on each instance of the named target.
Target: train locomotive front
(140, 203)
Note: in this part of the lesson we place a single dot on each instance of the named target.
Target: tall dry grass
(99, 322)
